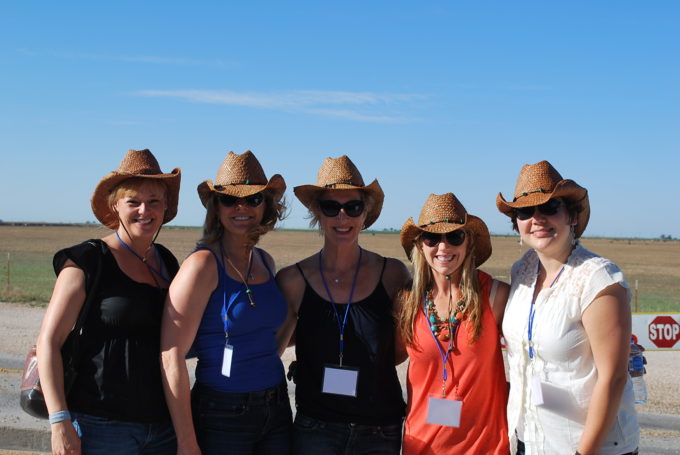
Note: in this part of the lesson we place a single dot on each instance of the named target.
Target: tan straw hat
(135, 164)
(241, 176)
(341, 174)
(442, 214)
(540, 182)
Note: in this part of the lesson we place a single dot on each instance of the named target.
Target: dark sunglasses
(253, 200)
(548, 209)
(455, 238)
(331, 208)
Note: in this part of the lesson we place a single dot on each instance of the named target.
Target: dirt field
(655, 265)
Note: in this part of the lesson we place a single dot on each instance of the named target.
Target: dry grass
(654, 264)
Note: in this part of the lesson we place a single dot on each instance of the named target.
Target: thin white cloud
(316, 102)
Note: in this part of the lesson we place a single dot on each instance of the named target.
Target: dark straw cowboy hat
(135, 164)
(442, 214)
(341, 174)
(540, 182)
(241, 176)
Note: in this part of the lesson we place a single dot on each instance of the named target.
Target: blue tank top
(256, 364)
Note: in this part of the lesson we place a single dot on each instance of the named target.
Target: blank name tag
(340, 380)
(226, 360)
(536, 391)
(441, 411)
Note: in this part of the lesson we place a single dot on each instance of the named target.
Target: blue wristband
(60, 416)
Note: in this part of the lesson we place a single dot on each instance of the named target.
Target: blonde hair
(133, 185)
(213, 230)
(412, 300)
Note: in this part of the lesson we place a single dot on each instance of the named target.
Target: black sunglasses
(455, 238)
(253, 200)
(548, 209)
(331, 208)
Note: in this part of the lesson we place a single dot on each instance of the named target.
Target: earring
(520, 241)
(573, 235)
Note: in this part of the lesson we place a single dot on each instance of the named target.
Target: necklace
(444, 329)
(151, 268)
(249, 275)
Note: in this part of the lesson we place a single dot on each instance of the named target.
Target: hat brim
(276, 186)
(567, 189)
(410, 232)
(100, 198)
(307, 194)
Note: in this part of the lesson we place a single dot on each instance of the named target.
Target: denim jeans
(101, 436)
(242, 423)
(312, 436)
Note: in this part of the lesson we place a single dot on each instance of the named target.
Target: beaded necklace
(444, 329)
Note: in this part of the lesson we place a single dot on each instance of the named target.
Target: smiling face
(240, 218)
(341, 228)
(141, 208)
(445, 258)
(549, 234)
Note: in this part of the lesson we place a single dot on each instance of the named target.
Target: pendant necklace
(249, 274)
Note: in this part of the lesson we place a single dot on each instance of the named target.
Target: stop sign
(664, 331)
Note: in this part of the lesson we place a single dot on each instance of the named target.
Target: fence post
(636, 296)
(9, 262)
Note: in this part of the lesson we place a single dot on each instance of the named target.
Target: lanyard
(532, 309)
(444, 355)
(158, 258)
(227, 306)
(341, 326)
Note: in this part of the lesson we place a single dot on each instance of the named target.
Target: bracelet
(60, 417)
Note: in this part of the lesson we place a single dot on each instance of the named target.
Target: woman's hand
(65, 440)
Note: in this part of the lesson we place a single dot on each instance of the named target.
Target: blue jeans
(242, 423)
(101, 436)
(312, 436)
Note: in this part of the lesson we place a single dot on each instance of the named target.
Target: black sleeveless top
(119, 374)
(369, 346)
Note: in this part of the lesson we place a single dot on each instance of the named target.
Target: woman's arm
(187, 298)
(292, 285)
(62, 312)
(499, 302)
(396, 279)
(607, 323)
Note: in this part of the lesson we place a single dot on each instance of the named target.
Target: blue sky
(428, 97)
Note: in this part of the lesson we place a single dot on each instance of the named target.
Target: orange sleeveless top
(475, 375)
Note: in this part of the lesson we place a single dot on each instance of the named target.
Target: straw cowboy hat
(241, 176)
(341, 174)
(135, 164)
(442, 214)
(540, 182)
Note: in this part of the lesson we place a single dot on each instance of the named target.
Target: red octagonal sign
(664, 331)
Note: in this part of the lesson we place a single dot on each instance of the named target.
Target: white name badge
(441, 411)
(226, 360)
(340, 380)
(536, 391)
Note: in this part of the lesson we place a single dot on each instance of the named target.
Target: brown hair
(213, 230)
(315, 209)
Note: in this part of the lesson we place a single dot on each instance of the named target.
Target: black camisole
(369, 346)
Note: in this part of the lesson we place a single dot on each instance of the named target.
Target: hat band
(331, 185)
(527, 193)
(246, 182)
(445, 220)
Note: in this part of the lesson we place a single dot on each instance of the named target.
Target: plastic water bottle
(636, 369)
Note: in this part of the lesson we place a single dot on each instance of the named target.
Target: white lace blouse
(563, 360)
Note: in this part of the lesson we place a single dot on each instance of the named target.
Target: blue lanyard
(341, 327)
(444, 355)
(158, 258)
(532, 309)
(227, 306)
